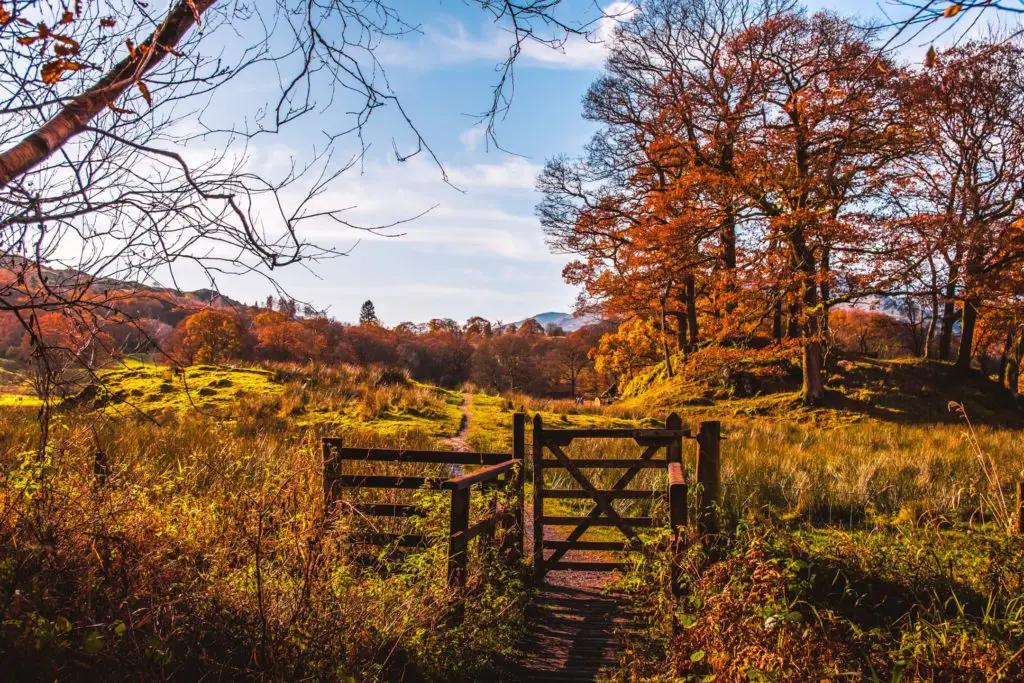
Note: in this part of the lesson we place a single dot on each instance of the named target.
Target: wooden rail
(505, 472)
(499, 472)
(603, 514)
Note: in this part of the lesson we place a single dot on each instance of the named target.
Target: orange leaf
(931, 57)
(144, 89)
(108, 22)
(952, 10)
(5, 16)
(70, 42)
(119, 110)
(52, 71)
(28, 40)
(64, 50)
(67, 18)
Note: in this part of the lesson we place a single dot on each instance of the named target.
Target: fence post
(677, 524)
(709, 478)
(1020, 508)
(332, 472)
(457, 547)
(674, 452)
(100, 468)
(518, 492)
(538, 496)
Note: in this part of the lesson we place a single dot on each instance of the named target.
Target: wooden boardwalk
(573, 633)
(574, 626)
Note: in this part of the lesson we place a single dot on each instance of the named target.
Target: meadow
(854, 547)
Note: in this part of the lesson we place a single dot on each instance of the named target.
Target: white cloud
(457, 45)
(472, 221)
(515, 173)
(472, 137)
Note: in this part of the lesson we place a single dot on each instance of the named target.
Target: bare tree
(134, 141)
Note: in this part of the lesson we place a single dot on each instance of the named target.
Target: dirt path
(460, 442)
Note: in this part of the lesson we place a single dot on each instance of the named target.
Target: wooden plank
(608, 463)
(602, 502)
(595, 521)
(402, 540)
(383, 482)
(458, 541)
(617, 433)
(622, 546)
(331, 477)
(674, 452)
(575, 494)
(480, 527)
(677, 499)
(388, 510)
(566, 565)
(708, 477)
(620, 485)
(413, 456)
(518, 484)
(486, 474)
(538, 496)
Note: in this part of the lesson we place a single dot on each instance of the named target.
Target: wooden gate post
(518, 492)
(458, 546)
(677, 518)
(538, 496)
(332, 472)
(709, 478)
(674, 451)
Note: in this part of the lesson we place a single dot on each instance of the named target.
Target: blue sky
(480, 250)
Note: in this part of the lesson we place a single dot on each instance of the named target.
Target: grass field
(857, 546)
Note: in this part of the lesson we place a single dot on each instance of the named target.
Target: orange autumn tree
(741, 146)
(279, 337)
(212, 336)
(963, 186)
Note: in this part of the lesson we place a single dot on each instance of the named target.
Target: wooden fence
(505, 472)
(495, 472)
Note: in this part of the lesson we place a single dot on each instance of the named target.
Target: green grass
(157, 389)
(338, 400)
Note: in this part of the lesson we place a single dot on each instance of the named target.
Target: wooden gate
(603, 513)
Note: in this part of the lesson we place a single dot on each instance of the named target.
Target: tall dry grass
(205, 555)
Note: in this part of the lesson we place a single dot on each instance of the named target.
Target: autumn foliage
(759, 168)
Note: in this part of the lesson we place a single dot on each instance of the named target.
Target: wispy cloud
(457, 45)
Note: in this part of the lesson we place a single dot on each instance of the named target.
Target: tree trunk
(691, 310)
(777, 321)
(793, 324)
(825, 270)
(813, 359)
(967, 325)
(1004, 358)
(664, 341)
(948, 318)
(932, 324)
(681, 325)
(77, 114)
(1013, 372)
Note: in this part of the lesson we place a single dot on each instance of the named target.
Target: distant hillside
(567, 321)
(70, 278)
